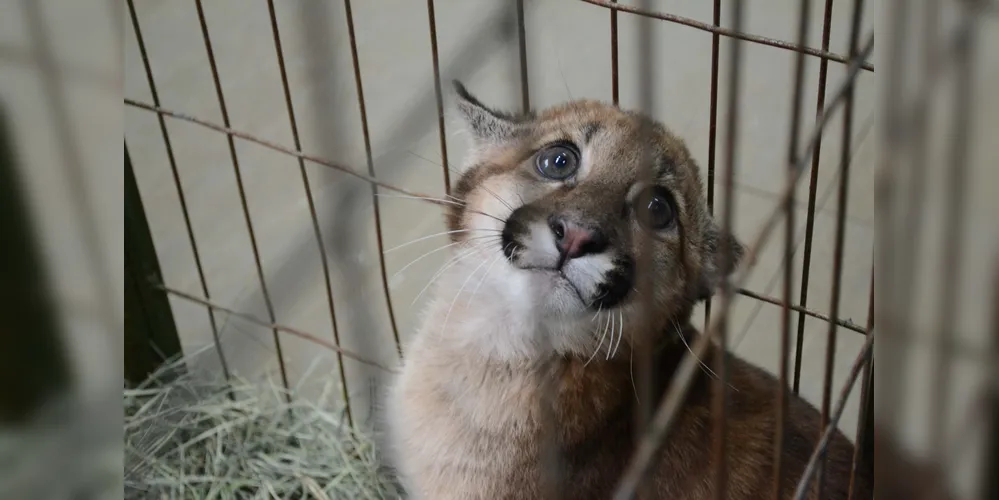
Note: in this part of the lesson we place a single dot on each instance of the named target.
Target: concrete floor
(568, 57)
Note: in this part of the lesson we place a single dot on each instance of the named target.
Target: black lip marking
(617, 285)
(509, 240)
(515, 229)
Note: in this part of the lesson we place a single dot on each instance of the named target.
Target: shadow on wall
(345, 223)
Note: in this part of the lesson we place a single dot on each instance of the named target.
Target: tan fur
(465, 418)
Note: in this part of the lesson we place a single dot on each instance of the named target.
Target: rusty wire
(615, 81)
(712, 125)
(813, 184)
(837, 273)
(720, 332)
(731, 33)
(371, 172)
(813, 462)
(798, 159)
(643, 332)
(182, 198)
(525, 94)
(274, 326)
(281, 149)
(866, 412)
(438, 95)
(269, 304)
(684, 375)
(306, 184)
(789, 212)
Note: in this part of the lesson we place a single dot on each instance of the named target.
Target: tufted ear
(716, 264)
(486, 125)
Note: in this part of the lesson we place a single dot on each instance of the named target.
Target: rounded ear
(486, 125)
(721, 253)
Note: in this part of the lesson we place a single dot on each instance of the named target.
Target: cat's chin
(557, 293)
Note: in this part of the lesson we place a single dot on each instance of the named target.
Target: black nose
(575, 240)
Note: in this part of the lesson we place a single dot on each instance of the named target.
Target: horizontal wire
(281, 328)
(849, 325)
(666, 412)
(276, 147)
(863, 357)
(682, 382)
(770, 42)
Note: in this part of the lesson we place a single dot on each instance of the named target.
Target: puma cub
(547, 218)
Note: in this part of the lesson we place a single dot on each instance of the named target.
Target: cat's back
(688, 466)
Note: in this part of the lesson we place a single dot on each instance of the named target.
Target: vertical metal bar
(863, 451)
(727, 223)
(894, 356)
(841, 208)
(432, 19)
(864, 358)
(712, 129)
(917, 161)
(371, 171)
(954, 222)
(813, 183)
(323, 258)
(615, 81)
(242, 195)
(789, 225)
(172, 160)
(644, 263)
(522, 40)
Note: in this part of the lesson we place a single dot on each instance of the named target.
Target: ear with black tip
(486, 125)
(721, 254)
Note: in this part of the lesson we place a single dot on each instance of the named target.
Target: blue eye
(557, 162)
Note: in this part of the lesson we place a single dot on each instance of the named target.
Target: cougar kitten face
(556, 204)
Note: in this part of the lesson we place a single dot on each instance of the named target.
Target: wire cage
(340, 191)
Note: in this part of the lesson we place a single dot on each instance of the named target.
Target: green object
(150, 332)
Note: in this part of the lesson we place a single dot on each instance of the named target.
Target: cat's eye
(654, 208)
(557, 162)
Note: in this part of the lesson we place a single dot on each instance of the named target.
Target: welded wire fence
(905, 127)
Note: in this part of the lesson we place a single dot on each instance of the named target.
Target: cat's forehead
(617, 140)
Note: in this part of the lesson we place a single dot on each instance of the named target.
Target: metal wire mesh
(803, 155)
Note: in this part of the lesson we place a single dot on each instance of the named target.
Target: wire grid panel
(421, 170)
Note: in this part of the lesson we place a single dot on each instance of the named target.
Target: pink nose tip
(574, 240)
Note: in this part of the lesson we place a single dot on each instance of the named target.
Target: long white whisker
(458, 202)
(409, 197)
(601, 343)
(612, 330)
(501, 200)
(455, 301)
(631, 368)
(487, 215)
(455, 231)
(447, 265)
(704, 366)
(620, 333)
(484, 275)
(438, 249)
